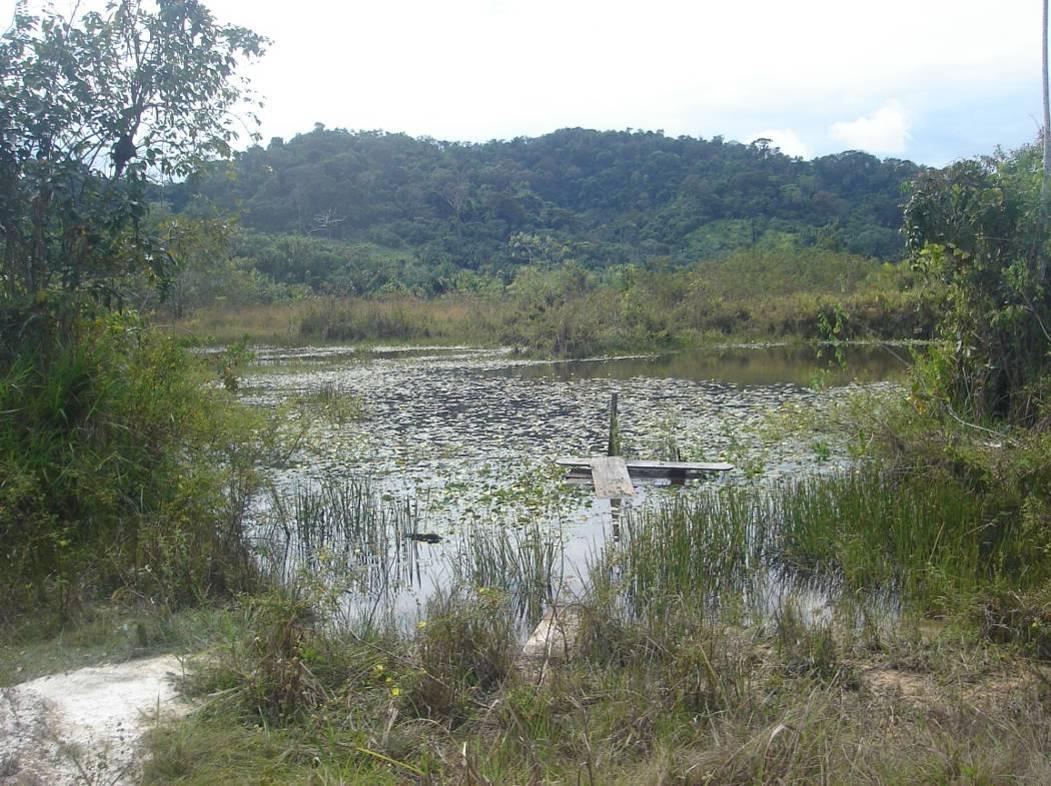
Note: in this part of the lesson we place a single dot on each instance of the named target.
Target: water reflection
(467, 438)
(739, 365)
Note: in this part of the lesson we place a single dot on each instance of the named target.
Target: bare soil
(85, 726)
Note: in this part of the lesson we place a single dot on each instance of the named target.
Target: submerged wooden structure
(612, 474)
(653, 469)
(555, 636)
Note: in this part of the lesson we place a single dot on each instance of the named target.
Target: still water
(466, 437)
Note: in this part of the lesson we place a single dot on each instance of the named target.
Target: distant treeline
(384, 210)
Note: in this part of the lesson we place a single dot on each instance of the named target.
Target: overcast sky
(930, 80)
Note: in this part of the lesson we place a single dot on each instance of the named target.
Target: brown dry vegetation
(570, 311)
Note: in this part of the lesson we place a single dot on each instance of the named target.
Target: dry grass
(575, 312)
(276, 323)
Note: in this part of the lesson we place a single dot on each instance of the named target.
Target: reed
(870, 530)
(524, 563)
(875, 529)
(342, 531)
(574, 312)
(396, 318)
(694, 548)
(668, 681)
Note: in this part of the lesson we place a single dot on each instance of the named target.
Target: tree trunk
(1045, 184)
(1045, 190)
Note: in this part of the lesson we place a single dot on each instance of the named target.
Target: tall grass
(690, 550)
(933, 543)
(525, 563)
(272, 323)
(341, 532)
(463, 653)
(878, 529)
(451, 318)
(571, 311)
(119, 468)
(678, 696)
(668, 681)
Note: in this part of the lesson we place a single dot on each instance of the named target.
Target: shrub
(979, 229)
(119, 468)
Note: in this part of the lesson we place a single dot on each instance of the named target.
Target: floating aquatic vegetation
(470, 437)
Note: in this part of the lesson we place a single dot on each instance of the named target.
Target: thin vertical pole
(1045, 187)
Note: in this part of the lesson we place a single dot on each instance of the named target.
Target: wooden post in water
(614, 450)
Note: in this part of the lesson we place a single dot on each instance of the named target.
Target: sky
(928, 80)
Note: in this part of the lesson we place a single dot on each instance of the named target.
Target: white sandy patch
(84, 727)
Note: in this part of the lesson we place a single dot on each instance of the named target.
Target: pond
(462, 440)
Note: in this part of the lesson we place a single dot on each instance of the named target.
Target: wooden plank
(611, 478)
(681, 466)
(652, 467)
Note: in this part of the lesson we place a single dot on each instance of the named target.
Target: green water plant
(341, 530)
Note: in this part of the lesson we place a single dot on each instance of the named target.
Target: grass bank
(570, 311)
(686, 699)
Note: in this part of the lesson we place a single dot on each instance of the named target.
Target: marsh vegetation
(314, 456)
(773, 626)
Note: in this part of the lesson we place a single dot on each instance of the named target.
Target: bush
(119, 468)
(978, 228)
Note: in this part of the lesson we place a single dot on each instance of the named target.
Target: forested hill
(600, 198)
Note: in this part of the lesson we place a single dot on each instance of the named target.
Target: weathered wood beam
(611, 478)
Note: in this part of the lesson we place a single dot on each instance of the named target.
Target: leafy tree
(611, 197)
(94, 108)
(118, 468)
(977, 227)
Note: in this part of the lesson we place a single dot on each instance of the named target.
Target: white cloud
(884, 131)
(479, 69)
(786, 139)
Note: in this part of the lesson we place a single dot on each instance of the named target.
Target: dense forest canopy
(598, 198)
